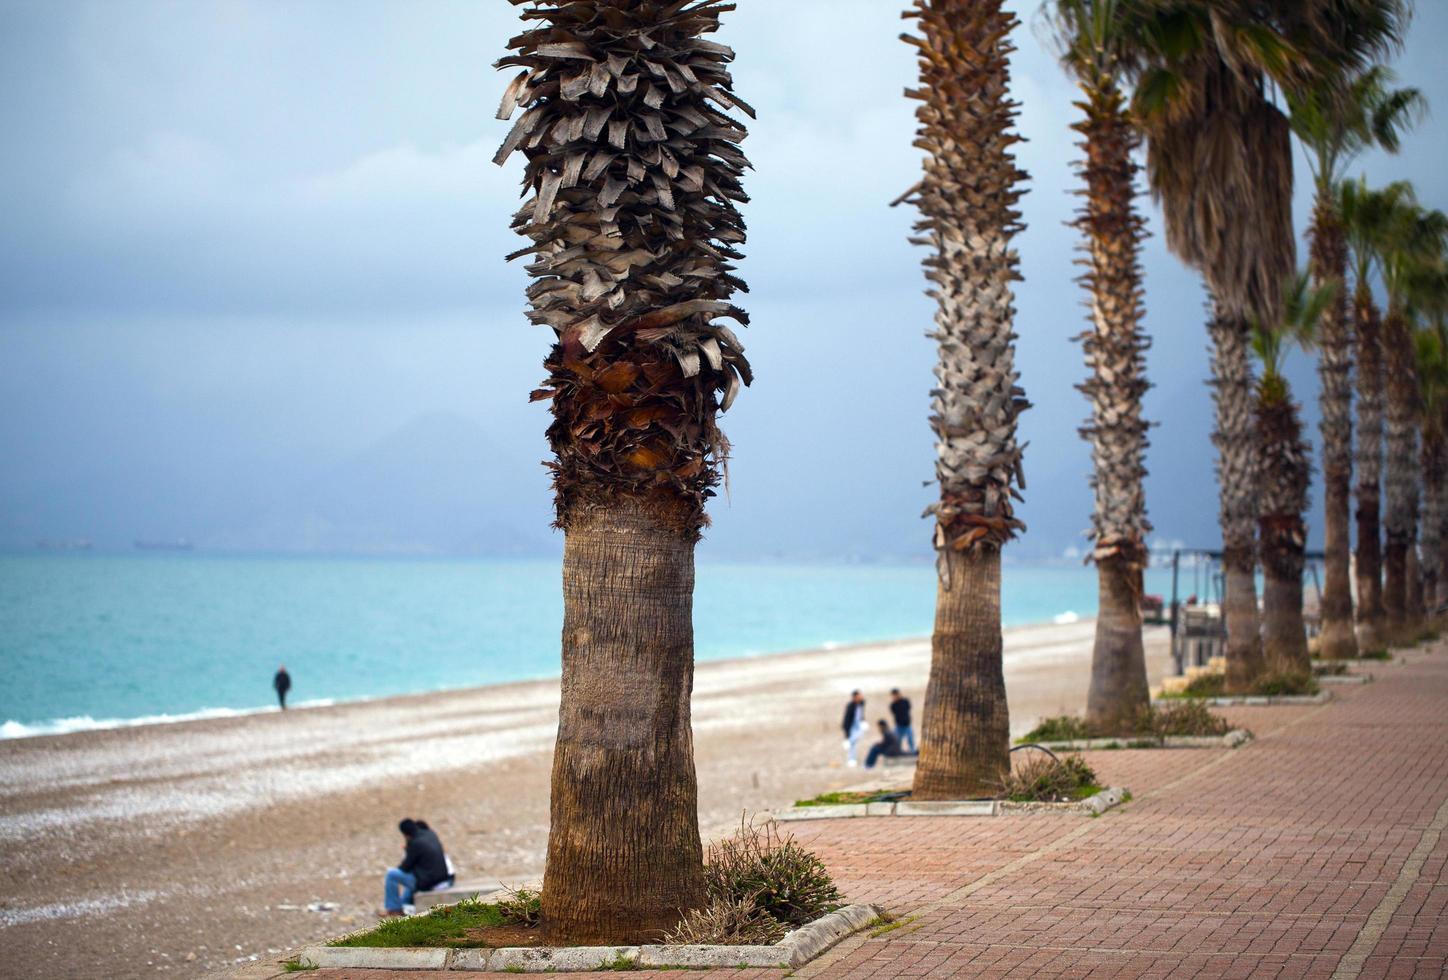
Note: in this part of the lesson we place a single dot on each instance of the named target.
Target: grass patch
(1330, 668)
(1062, 728)
(882, 924)
(620, 963)
(448, 925)
(295, 965)
(843, 797)
(1268, 685)
(1042, 779)
(1285, 684)
(1186, 718)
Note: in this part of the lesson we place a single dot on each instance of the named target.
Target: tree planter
(1259, 700)
(1236, 737)
(791, 952)
(1091, 806)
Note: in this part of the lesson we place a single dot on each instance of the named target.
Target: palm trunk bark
(1119, 691)
(1328, 261)
(1371, 614)
(1401, 481)
(1286, 465)
(1114, 350)
(624, 855)
(1433, 464)
(968, 199)
(965, 747)
(1236, 440)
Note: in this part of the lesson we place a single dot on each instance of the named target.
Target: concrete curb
(1343, 678)
(1236, 737)
(1255, 700)
(793, 951)
(1100, 803)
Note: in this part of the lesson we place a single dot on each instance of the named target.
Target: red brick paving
(1285, 858)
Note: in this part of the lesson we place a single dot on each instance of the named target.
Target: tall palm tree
(1432, 362)
(634, 172)
(1335, 121)
(1219, 162)
(1089, 34)
(1286, 472)
(1413, 237)
(967, 199)
(1366, 216)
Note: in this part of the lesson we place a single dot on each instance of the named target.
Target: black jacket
(424, 859)
(900, 708)
(890, 744)
(282, 681)
(852, 711)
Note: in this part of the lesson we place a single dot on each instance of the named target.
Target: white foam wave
(85, 723)
(1066, 618)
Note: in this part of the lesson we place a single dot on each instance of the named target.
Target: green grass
(882, 924)
(1269, 685)
(621, 963)
(843, 797)
(445, 925)
(295, 965)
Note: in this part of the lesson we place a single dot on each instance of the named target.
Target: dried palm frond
(967, 199)
(633, 182)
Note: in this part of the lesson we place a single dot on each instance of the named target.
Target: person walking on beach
(854, 726)
(900, 708)
(283, 683)
(423, 867)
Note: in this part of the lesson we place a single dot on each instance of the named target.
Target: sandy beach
(184, 849)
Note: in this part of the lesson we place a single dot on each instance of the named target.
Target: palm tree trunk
(1236, 441)
(1402, 478)
(1285, 473)
(1114, 350)
(968, 199)
(1371, 614)
(965, 751)
(624, 856)
(1119, 691)
(1433, 463)
(1328, 261)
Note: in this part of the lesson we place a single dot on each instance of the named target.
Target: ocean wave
(1066, 618)
(85, 723)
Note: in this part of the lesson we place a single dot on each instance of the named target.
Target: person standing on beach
(854, 726)
(900, 708)
(283, 683)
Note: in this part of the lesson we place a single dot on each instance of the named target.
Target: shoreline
(190, 847)
(11, 730)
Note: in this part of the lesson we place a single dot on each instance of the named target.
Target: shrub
(1186, 718)
(728, 922)
(521, 907)
(1329, 668)
(1206, 686)
(1042, 779)
(768, 867)
(1063, 728)
(1285, 683)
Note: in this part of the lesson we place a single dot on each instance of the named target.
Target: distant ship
(78, 544)
(180, 544)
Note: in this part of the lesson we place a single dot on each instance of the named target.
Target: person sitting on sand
(854, 725)
(283, 683)
(900, 708)
(888, 746)
(423, 868)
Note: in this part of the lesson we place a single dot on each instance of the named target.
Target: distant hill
(437, 486)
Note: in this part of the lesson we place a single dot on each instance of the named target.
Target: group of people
(892, 742)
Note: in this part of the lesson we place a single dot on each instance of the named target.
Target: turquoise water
(93, 641)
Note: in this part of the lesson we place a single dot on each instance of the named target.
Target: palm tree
(1219, 162)
(1089, 33)
(1432, 362)
(1335, 121)
(634, 172)
(1413, 238)
(1366, 215)
(1286, 472)
(967, 198)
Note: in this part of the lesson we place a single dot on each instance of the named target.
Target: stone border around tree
(1344, 678)
(1236, 738)
(791, 952)
(1091, 806)
(1252, 700)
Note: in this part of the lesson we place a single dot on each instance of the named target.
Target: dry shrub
(1063, 728)
(521, 907)
(762, 864)
(1182, 718)
(1285, 683)
(725, 922)
(1043, 779)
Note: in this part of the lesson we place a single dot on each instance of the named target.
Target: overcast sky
(244, 241)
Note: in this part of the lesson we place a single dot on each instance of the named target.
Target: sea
(104, 641)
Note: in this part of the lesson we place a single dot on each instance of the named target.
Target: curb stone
(1100, 803)
(1252, 700)
(793, 951)
(1345, 679)
(1231, 740)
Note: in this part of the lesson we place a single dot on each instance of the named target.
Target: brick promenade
(1316, 851)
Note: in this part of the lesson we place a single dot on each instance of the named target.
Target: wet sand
(184, 849)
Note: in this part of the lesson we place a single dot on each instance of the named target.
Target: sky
(252, 287)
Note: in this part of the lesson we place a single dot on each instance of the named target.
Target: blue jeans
(903, 732)
(397, 889)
